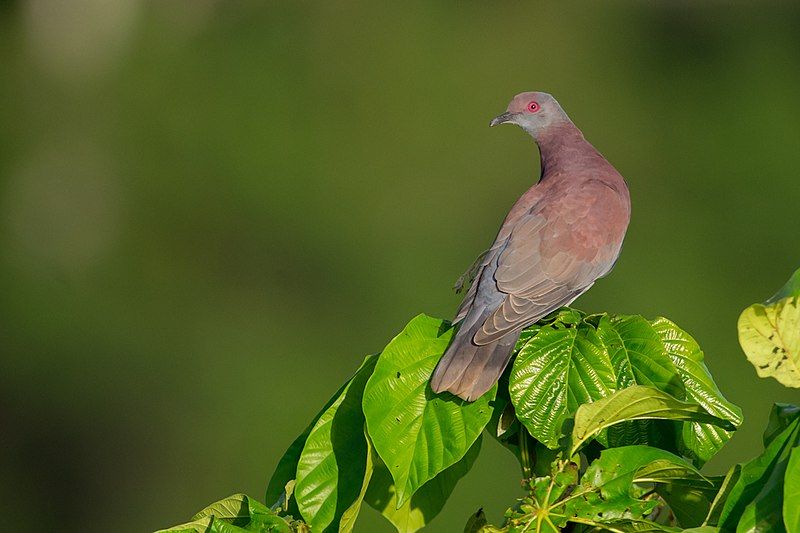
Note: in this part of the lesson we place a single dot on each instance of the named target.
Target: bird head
(533, 112)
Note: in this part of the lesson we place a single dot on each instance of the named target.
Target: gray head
(534, 112)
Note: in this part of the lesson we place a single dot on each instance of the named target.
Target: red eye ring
(533, 107)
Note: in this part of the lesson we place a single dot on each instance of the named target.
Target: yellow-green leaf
(770, 334)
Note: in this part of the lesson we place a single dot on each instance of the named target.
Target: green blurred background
(211, 210)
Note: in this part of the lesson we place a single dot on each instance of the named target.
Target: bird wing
(555, 252)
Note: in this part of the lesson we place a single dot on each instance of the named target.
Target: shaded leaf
(332, 465)
(780, 417)
(416, 432)
(690, 503)
(755, 499)
(635, 403)
(348, 520)
(426, 503)
(476, 522)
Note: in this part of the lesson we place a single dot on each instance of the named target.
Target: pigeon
(562, 235)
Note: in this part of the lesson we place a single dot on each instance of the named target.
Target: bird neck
(563, 147)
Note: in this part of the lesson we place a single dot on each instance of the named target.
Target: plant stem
(527, 455)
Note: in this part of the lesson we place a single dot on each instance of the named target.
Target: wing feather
(554, 253)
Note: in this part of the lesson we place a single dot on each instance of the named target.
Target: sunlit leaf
(791, 492)
(235, 514)
(286, 470)
(619, 468)
(635, 403)
(770, 334)
(332, 465)
(638, 357)
(416, 432)
(637, 354)
(697, 440)
(555, 372)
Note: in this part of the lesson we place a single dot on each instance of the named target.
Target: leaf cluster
(610, 417)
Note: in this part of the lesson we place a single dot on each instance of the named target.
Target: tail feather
(469, 370)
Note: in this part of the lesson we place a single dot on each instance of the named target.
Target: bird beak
(502, 119)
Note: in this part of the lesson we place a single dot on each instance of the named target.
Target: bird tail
(469, 370)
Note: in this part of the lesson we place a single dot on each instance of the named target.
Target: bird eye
(533, 107)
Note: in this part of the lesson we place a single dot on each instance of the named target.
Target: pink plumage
(563, 234)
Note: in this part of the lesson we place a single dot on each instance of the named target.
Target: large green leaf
(234, 514)
(426, 503)
(556, 371)
(333, 463)
(638, 357)
(697, 440)
(791, 492)
(754, 501)
(770, 334)
(416, 432)
(637, 354)
(635, 403)
(286, 470)
(571, 359)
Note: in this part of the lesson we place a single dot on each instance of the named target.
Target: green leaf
(618, 469)
(790, 288)
(426, 503)
(638, 357)
(754, 501)
(637, 354)
(555, 372)
(770, 334)
(731, 478)
(614, 494)
(350, 515)
(332, 465)
(635, 403)
(688, 502)
(286, 470)
(780, 417)
(476, 522)
(416, 432)
(791, 492)
(237, 513)
(647, 526)
(698, 441)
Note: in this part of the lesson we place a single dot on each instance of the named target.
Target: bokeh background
(211, 210)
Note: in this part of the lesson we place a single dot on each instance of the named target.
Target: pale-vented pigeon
(564, 233)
